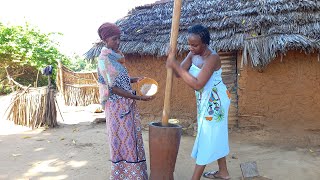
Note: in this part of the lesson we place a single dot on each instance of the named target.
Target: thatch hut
(269, 49)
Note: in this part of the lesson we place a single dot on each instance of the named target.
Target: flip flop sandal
(213, 175)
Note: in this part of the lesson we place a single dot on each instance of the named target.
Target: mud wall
(183, 104)
(284, 96)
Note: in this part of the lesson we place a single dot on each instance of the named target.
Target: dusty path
(78, 150)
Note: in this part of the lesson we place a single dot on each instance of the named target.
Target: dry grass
(33, 107)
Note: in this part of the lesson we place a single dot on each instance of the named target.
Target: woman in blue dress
(201, 70)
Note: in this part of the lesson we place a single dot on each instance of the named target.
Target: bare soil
(77, 149)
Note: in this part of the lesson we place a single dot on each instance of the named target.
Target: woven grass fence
(77, 88)
(32, 107)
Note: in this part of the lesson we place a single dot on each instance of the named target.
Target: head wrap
(107, 30)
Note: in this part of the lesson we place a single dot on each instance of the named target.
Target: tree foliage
(21, 45)
(79, 64)
(24, 50)
(26, 46)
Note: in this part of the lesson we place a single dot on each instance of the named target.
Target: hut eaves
(262, 29)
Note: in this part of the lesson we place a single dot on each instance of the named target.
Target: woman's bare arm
(211, 64)
(126, 94)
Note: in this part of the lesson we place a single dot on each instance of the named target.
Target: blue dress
(213, 102)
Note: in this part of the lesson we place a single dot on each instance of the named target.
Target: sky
(78, 20)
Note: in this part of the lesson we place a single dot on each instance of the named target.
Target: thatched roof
(261, 28)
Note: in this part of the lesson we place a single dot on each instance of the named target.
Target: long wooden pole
(61, 79)
(173, 45)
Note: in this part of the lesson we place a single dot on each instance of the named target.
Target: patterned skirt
(125, 140)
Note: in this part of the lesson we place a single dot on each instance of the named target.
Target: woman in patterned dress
(201, 70)
(119, 101)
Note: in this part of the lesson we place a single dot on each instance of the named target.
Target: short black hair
(202, 31)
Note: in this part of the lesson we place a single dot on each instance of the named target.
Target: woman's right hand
(146, 98)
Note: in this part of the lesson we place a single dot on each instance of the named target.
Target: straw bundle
(33, 107)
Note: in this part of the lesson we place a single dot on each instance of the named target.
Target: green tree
(26, 46)
(79, 64)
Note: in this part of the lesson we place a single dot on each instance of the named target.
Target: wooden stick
(61, 79)
(173, 45)
(36, 83)
(9, 78)
(94, 77)
(241, 62)
(12, 81)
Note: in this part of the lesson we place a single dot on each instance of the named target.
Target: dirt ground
(78, 150)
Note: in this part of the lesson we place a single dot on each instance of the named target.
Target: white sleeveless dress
(213, 102)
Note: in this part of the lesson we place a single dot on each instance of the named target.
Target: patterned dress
(213, 102)
(122, 120)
